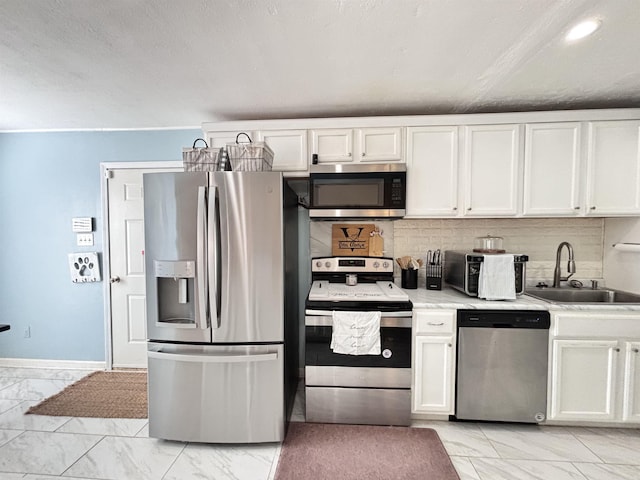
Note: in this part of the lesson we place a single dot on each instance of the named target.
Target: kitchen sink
(577, 295)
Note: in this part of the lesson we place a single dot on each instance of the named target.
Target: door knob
(115, 279)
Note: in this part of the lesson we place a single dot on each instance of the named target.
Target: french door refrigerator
(222, 305)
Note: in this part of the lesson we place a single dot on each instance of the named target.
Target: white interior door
(126, 266)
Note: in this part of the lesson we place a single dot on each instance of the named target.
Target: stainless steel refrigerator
(222, 305)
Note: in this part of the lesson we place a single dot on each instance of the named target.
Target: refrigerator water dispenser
(176, 292)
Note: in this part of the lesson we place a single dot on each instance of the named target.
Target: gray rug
(316, 451)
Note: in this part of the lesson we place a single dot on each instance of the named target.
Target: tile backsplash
(537, 238)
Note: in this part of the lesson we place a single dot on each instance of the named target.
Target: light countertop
(451, 298)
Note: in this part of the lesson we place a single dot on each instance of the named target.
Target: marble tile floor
(38, 447)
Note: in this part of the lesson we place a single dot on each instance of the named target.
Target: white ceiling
(67, 64)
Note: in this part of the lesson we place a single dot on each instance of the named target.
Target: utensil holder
(434, 277)
(409, 278)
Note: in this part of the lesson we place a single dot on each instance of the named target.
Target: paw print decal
(84, 267)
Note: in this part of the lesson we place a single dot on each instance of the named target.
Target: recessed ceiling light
(583, 29)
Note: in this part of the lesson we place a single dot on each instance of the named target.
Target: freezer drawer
(216, 394)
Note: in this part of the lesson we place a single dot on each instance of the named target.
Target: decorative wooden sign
(351, 239)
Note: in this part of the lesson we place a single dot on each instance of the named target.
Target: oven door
(390, 369)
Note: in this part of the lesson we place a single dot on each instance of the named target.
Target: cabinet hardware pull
(435, 324)
(455, 208)
(617, 349)
(635, 350)
(576, 208)
(448, 344)
(469, 209)
(592, 208)
(349, 153)
(363, 154)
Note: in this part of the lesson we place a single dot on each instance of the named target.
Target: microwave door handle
(213, 260)
(201, 256)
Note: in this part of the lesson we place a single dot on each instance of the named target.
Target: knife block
(434, 277)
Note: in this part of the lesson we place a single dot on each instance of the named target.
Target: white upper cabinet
(613, 168)
(379, 144)
(519, 164)
(492, 170)
(552, 169)
(289, 149)
(220, 139)
(332, 145)
(340, 145)
(432, 171)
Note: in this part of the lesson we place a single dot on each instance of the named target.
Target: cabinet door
(552, 169)
(289, 149)
(613, 172)
(583, 380)
(432, 171)
(220, 139)
(332, 145)
(434, 374)
(492, 166)
(379, 144)
(631, 401)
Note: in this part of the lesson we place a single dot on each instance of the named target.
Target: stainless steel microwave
(358, 190)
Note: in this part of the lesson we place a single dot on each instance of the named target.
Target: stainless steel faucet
(571, 265)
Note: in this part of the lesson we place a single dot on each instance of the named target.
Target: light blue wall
(46, 179)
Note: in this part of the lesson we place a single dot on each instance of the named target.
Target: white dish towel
(356, 333)
(497, 278)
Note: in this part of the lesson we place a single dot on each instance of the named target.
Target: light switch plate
(84, 239)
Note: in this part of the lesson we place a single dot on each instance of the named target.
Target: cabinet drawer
(600, 325)
(434, 321)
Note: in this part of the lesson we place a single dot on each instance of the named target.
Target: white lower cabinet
(434, 347)
(583, 380)
(631, 402)
(595, 368)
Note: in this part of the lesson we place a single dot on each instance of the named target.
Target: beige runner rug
(317, 451)
(111, 394)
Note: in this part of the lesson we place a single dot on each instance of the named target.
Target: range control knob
(327, 264)
(385, 264)
(318, 264)
(376, 264)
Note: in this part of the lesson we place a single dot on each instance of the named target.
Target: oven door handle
(329, 313)
(314, 320)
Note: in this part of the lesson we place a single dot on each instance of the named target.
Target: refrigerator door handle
(201, 256)
(212, 257)
(263, 357)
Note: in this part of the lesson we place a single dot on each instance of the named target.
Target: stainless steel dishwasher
(502, 365)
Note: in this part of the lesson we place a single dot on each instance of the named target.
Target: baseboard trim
(56, 364)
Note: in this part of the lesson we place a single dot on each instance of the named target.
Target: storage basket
(249, 157)
(200, 159)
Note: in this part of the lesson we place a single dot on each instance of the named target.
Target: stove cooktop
(386, 291)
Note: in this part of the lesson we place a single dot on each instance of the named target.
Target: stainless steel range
(372, 388)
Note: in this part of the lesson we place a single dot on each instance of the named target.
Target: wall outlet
(27, 332)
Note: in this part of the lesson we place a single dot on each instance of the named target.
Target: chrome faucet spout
(571, 265)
